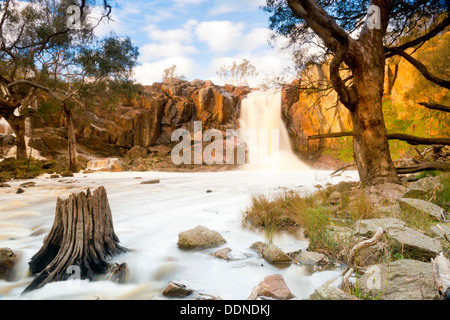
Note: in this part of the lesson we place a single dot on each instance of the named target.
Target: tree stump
(82, 235)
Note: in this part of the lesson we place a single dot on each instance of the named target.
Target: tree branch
(422, 69)
(433, 32)
(412, 140)
(435, 106)
(425, 166)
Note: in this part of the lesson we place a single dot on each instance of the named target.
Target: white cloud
(225, 36)
(182, 34)
(224, 7)
(150, 72)
(151, 51)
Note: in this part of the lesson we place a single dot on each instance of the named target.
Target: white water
(148, 218)
(261, 111)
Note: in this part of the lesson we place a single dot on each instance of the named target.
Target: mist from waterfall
(261, 113)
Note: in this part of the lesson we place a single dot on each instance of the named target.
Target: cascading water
(261, 114)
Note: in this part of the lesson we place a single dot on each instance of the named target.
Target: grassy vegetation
(318, 217)
(29, 168)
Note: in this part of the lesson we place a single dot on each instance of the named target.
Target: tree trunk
(370, 144)
(82, 237)
(18, 126)
(72, 142)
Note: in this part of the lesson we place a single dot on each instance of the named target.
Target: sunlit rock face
(307, 114)
(150, 119)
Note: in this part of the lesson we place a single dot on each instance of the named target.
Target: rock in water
(7, 261)
(155, 181)
(400, 280)
(199, 238)
(271, 253)
(273, 287)
(177, 289)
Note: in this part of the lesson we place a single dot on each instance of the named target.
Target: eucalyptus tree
(360, 36)
(49, 51)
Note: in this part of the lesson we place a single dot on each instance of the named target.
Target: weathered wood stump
(82, 235)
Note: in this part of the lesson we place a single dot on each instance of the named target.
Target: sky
(198, 36)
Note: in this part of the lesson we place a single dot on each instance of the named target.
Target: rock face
(7, 261)
(273, 287)
(400, 280)
(410, 240)
(423, 207)
(307, 115)
(147, 119)
(199, 238)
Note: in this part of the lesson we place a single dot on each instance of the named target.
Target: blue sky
(198, 36)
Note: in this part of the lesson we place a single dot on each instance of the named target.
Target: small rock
(208, 191)
(155, 181)
(335, 198)
(271, 253)
(20, 190)
(199, 238)
(438, 233)
(309, 258)
(7, 261)
(223, 253)
(57, 176)
(4, 185)
(330, 293)
(177, 289)
(29, 184)
(273, 287)
(67, 173)
(423, 207)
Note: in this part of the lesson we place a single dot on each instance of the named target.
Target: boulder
(400, 280)
(20, 190)
(335, 198)
(67, 174)
(273, 287)
(438, 233)
(410, 240)
(199, 238)
(271, 253)
(330, 293)
(29, 184)
(422, 206)
(424, 188)
(309, 258)
(177, 289)
(7, 262)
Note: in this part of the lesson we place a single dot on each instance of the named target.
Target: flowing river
(147, 219)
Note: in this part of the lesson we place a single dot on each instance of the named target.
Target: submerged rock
(273, 287)
(7, 262)
(29, 184)
(154, 181)
(199, 238)
(400, 280)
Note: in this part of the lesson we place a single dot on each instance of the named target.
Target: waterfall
(108, 164)
(270, 142)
